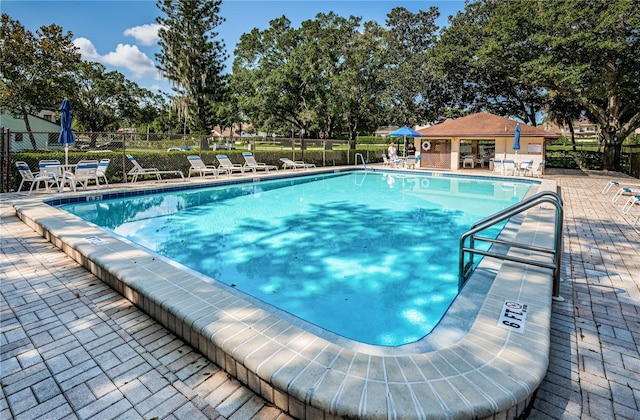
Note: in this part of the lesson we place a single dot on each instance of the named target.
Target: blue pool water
(370, 257)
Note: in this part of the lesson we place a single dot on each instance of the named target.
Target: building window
(18, 137)
(53, 139)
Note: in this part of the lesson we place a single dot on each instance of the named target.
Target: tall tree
(268, 77)
(35, 71)
(564, 113)
(473, 83)
(191, 57)
(585, 50)
(412, 94)
(103, 100)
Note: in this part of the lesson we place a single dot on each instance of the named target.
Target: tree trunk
(25, 117)
(573, 136)
(612, 151)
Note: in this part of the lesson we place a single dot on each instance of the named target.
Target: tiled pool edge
(483, 375)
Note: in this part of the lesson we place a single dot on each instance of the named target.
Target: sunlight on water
(374, 260)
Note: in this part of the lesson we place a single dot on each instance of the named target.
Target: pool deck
(72, 347)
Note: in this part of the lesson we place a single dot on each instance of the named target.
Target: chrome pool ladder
(554, 263)
(364, 164)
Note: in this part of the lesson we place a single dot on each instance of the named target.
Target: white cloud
(131, 58)
(125, 56)
(145, 34)
(87, 50)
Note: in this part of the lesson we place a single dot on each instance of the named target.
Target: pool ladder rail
(554, 263)
(364, 164)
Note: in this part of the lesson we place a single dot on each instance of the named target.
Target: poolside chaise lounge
(611, 184)
(625, 191)
(632, 201)
(198, 166)
(250, 163)
(138, 171)
(288, 163)
(227, 166)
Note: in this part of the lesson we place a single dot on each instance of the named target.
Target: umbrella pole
(66, 154)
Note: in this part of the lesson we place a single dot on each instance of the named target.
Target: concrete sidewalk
(74, 348)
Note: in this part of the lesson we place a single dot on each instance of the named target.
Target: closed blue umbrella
(66, 135)
(516, 139)
(405, 132)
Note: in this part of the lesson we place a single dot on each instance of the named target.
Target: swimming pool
(468, 367)
(372, 257)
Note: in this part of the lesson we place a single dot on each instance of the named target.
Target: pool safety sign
(513, 316)
(95, 240)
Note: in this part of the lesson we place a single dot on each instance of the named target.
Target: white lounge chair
(633, 200)
(227, 166)
(250, 163)
(611, 184)
(138, 171)
(625, 191)
(34, 177)
(288, 163)
(86, 170)
(102, 170)
(198, 166)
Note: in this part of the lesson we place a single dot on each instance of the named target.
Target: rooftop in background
(483, 125)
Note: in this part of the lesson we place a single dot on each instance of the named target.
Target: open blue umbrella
(516, 139)
(405, 132)
(66, 135)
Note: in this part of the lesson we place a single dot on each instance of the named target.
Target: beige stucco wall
(531, 148)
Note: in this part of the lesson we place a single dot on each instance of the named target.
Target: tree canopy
(36, 71)
(192, 58)
(583, 51)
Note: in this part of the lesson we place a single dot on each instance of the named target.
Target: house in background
(481, 138)
(45, 132)
(385, 130)
(583, 128)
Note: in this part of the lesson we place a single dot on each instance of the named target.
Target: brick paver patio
(74, 348)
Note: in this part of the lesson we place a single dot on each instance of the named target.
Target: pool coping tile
(308, 373)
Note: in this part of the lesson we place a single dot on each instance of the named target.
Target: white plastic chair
(86, 170)
(498, 166)
(53, 171)
(539, 170)
(509, 166)
(27, 176)
(102, 170)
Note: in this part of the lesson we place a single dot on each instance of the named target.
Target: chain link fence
(166, 152)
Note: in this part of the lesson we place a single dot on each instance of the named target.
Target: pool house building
(476, 140)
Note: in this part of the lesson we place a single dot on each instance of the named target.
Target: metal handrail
(361, 158)
(556, 252)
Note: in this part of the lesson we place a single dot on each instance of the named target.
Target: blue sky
(122, 34)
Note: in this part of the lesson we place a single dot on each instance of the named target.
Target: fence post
(5, 145)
